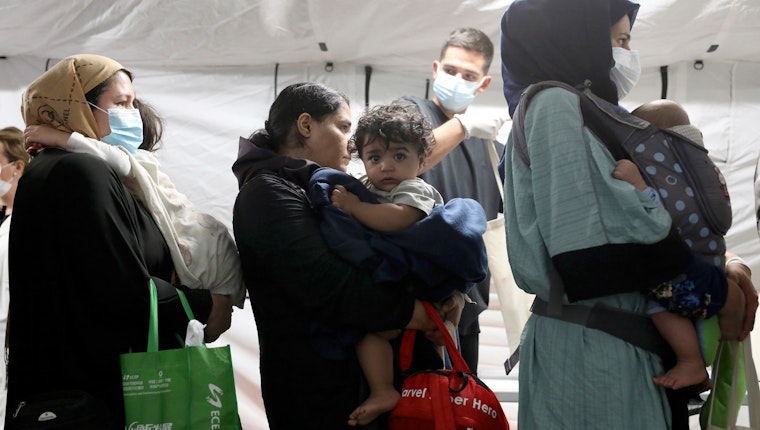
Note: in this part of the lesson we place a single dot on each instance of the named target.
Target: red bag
(444, 399)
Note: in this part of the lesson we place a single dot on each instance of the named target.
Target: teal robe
(572, 377)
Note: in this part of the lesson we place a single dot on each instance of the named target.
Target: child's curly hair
(394, 122)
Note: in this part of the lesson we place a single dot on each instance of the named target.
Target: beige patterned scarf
(57, 98)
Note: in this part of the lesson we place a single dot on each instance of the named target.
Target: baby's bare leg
(731, 316)
(376, 358)
(681, 335)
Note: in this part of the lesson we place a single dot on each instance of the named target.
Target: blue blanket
(444, 251)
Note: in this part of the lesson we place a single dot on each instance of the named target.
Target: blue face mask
(455, 94)
(126, 128)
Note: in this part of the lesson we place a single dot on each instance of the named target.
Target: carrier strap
(587, 105)
(632, 327)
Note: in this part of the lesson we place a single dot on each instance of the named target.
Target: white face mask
(626, 71)
(455, 94)
(5, 186)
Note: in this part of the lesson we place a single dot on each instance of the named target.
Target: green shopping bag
(733, 375)
(178, 389)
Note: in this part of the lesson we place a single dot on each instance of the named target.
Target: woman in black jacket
(292, 276)
(81, 253)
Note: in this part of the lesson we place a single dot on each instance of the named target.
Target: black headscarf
(561, 40)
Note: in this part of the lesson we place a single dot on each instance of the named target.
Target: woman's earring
(15, 174)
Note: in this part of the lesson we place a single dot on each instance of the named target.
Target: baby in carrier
(675, 304)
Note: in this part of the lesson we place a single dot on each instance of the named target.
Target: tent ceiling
(389, 34)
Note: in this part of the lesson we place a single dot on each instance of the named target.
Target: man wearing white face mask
(459, 165)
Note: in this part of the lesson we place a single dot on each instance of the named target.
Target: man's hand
(482, 125)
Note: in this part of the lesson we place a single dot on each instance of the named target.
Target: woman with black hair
(292, 275)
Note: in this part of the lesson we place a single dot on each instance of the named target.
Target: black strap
(367, 79)
(518, 118)
(632, 327)
(664, 81)
(598, 124)
(511, 362)
(276, 75)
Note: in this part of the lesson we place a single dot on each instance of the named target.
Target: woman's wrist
(738, 260)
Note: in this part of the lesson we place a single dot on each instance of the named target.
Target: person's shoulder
(58, 169)
(554, 94)
(64, 162)
(264, 178)
(422, 104)
(418, 186)
(266, 184)
(417, 182)
(146, 156)
(428, 108)
(409, 100)
(553, 101)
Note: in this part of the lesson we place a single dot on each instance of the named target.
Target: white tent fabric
(395, 34)
(212, 69)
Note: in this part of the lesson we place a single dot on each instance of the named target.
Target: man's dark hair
(471, 39)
